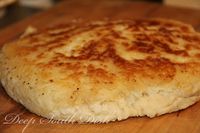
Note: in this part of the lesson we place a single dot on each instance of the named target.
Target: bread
(104, 71)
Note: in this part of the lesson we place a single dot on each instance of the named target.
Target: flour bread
(104, 71)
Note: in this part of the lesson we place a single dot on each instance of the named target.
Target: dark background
(16, 12)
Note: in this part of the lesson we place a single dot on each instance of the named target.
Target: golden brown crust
(150, 45)
(106, 61)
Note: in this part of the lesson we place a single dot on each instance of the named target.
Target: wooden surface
(184, 3)
(186, 121)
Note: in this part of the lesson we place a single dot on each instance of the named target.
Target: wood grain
(180, 122)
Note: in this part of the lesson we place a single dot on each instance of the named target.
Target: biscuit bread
(105, 70)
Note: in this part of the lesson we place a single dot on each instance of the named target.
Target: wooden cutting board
(15, 119)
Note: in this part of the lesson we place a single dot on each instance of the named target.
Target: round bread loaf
(104, 71)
